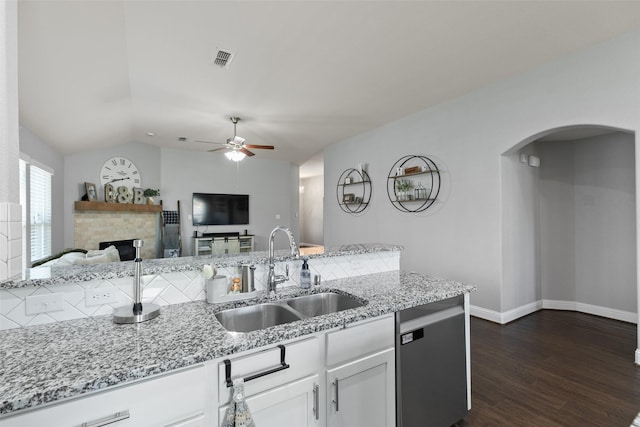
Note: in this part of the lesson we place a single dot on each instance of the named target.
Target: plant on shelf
(150, 193)
(403, 186)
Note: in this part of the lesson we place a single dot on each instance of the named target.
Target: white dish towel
(238, 414)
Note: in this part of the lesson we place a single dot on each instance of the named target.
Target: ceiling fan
(237, 149)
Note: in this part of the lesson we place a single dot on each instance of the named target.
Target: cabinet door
(172, 400)
(293, 404)
(362, 392)
(197, 421)
(202, 246)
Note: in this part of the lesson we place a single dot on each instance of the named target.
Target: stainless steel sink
(254, 317)
(261, 316)
(323, 303)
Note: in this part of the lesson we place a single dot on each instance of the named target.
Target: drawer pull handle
(118, 416)
(283, 365)
(316, 401)
(337, 401)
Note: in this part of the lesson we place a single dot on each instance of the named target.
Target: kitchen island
(47, 363)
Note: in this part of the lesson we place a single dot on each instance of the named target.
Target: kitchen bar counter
(46, 276)
(46, 363)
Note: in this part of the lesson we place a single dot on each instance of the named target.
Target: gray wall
(85, 167)
(311, 222)
(272, 186)
(36, 149)
(557, 221)
(520, 231)
(461, 237)
(588, 228)
(9, 131)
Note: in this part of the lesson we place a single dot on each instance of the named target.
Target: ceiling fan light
(235, 155)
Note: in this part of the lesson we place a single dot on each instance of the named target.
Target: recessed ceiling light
(151, 134)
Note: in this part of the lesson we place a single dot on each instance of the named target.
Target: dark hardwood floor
(553, 368)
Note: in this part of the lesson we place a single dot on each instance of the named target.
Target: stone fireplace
(96, 222)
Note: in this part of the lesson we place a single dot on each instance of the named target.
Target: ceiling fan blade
(245, 151)
(211, 142)
(218, 149)
(261, 147)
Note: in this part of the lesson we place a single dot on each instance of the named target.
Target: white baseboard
(516, 313)
(611, 313)
(507, 316)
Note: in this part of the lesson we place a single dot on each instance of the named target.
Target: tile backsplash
(174, 288)
(10, 240)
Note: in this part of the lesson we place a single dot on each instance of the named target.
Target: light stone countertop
(46, 276)
(42, 364)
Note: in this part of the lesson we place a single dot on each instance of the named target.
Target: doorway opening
(312, 205)
(569, 223)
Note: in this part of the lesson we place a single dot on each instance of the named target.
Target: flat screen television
(220, 209)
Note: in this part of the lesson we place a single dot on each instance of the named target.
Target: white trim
(507, 316)
(518, 312)
(34, 162)
(467, 345)
(559, 305)
(611, 313)
(484, 313)
(637, 356)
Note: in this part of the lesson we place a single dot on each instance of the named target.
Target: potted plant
(403, 186)
(150, 193)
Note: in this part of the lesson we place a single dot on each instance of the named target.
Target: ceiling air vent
(182, 139)
(223, 58)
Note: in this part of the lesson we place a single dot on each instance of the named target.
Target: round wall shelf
(353, 191)
(413, 184)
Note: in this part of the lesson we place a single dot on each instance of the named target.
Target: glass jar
(420, 192)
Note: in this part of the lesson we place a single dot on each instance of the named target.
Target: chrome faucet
(272, 279)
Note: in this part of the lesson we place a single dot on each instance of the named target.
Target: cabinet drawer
(359, 340)
(303, 358)
(169, 400)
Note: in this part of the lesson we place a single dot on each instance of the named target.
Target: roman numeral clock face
(120, 171)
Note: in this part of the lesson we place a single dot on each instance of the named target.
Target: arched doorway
(569, 222)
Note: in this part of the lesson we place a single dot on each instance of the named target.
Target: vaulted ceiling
(304, 74)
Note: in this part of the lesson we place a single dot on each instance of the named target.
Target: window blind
(39, 212)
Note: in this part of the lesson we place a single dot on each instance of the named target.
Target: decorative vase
(150, 201)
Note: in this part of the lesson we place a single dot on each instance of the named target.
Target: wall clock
(120, 171)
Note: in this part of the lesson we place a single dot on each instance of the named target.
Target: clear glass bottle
(420, 192)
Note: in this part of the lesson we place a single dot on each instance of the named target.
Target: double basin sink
(260, 316)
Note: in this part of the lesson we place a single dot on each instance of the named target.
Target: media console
(222, 243)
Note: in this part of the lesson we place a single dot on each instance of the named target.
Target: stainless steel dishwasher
(431, 369)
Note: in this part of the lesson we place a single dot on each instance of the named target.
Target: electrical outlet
(99, 296)
(36, 304)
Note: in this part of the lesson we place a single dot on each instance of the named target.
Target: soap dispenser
(305, 275)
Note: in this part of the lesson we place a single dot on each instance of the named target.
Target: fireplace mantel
(115, 207)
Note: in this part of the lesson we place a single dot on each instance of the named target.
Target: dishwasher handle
(430, 319)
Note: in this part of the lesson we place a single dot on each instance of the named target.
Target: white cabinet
(222, 245)
(246, 243)
(285, 396)
(172, 400)
(357, 363)
(361, 375)
(362, 392)
(293, 404)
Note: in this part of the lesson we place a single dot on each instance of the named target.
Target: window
(35, 198)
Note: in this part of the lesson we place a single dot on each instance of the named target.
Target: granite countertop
(42, 364)
(46, 276)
